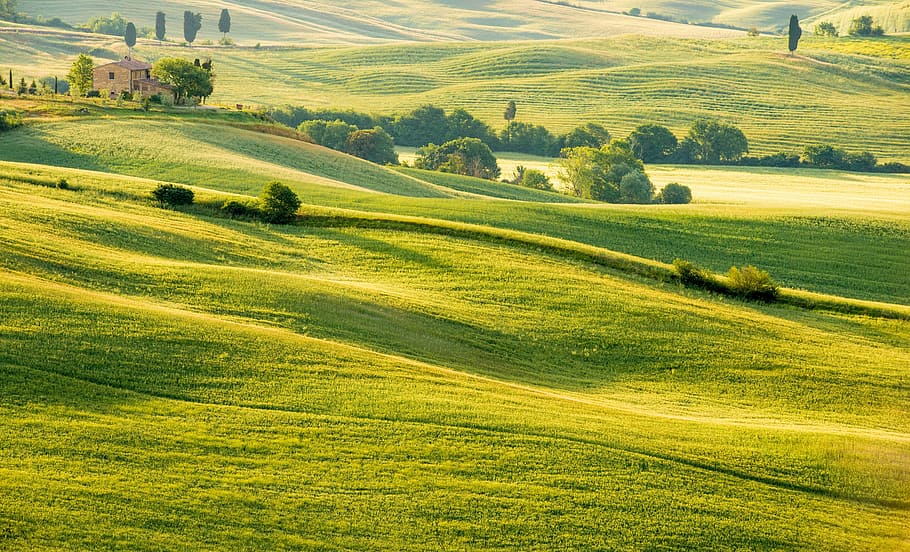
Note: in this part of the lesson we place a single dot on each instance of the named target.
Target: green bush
(9, 120)
(278, 203)
(676, 194)
(172, 195)
(692, 275)
(752, 283)
(239, 209)
(62, 184)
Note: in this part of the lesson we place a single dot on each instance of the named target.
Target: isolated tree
(187, 79)
(674, 193)
(278, 203)
(130, 36)
(509, 114)
(373, 145)
(711, 141)
(192, 22)
(159, 26)
(173, 195)
(652, 142)
(794, 34)
(80, 75)
(224, 23)
(533, 178)
(825, 28)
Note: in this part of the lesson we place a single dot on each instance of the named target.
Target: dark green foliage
(527, 138)
(278, 203)
(425, 125)
(779, 159)
(22, 89)
(862, 26)
(651, 142)
(224, 22)
(241, 209)
(509, 114)
(294, 116)
(129, 35)
(173, 195)
(711, 141)
(675, 194)
(160, 27)
(591, 135)
(62, 184)
(825, 28)
(93, 94)
(467, 156)
(126, 96)
(373, 145)
(146, 103)
(635, 187)
(823, 156)
(752, 283)
(192, 22)
(331, 134)
(794, 34)
(9, 119)
(461, 124)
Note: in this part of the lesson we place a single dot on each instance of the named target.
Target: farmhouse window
(110, 75)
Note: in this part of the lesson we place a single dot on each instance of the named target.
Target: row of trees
(861, 26)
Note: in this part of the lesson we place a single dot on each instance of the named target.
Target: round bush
(169, 194)
(676, 194)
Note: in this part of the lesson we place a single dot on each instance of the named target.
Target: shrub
(278, 203)
(9, 120)
(825, 28)
(62, 184)
(93, 94)
(675, 194)
(532, 178)
(752, 283)
(126, 96)
(692, 275)
(238, 209)
(173, 195)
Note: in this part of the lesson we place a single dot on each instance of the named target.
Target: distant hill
(369, 21)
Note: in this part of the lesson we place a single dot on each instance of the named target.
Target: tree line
(708, 141)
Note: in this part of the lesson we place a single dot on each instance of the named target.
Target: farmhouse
(130, 75)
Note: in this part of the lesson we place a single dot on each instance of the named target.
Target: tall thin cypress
(795, 33)
(159, 26)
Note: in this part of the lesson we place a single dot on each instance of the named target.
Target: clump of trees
(466, 156)
(826, 28)
(864, 26)
(613, 174)
(373, 144)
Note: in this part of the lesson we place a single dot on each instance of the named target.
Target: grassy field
(847, 92)
(174, 380)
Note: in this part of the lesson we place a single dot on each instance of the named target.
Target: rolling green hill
(173, 379)
(848, 92)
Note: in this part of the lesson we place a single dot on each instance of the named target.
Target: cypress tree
(159, 26)
(192, 22)
(130, 36)
(795, 33)
(224, 23)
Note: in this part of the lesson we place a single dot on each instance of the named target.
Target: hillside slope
(172, 379)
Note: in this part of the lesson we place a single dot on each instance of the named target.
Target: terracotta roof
(131, 64)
